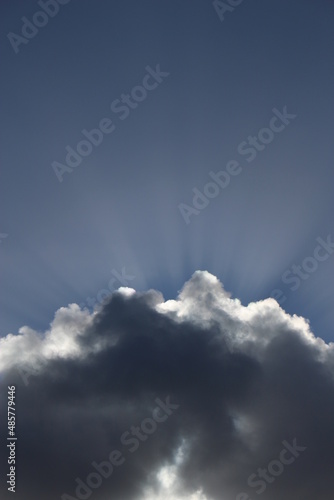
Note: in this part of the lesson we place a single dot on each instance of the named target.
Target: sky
(183, 150)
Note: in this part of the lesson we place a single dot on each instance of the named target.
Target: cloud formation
(234, 382)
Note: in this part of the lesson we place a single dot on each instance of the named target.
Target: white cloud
(203, 301)
(245, 378)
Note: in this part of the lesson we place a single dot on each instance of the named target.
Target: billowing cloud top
(197, 398)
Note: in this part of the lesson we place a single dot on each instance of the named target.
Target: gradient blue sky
(119, 207)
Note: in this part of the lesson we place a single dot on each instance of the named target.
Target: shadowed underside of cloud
(240, 382)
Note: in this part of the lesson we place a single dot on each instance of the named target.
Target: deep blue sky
(119, 207)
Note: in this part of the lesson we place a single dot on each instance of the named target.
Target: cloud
(244, 379)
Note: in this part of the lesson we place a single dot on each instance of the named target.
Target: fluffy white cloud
(245, 378)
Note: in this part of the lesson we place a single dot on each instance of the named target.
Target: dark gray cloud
(243, 383)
